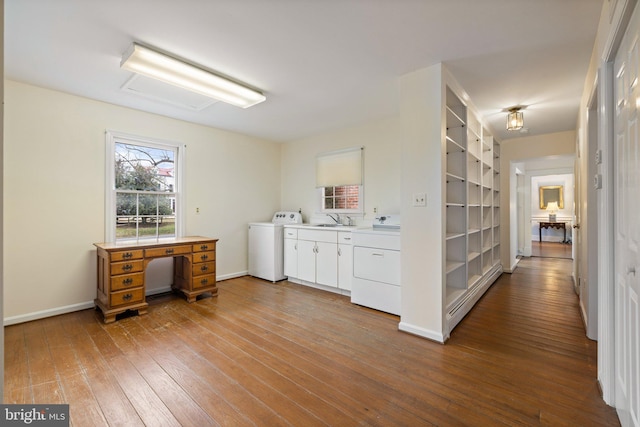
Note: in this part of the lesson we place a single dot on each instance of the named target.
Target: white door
(291, 257)
(345, 266)
(626, 228)
(307, 260)
(327, 263)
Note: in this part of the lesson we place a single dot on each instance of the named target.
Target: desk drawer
(167, 251)
(204, 257)
(131, 296)
(126, 267)
(127, 281)
(204, 246)
(204, 268)
(126, 255)
(204, 281)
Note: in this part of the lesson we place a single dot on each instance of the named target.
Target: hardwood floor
(551, 250)
(286, 355)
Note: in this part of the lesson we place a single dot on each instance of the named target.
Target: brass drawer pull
(204, 281)
(169, 251)
(204, 268)
(127, 297)
(204, 247)
(127, 267)
(127, 255)
(127, 281)
(204, 257)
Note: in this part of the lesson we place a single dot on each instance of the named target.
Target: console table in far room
(558, 225)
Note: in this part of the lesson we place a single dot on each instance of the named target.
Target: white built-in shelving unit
(472, 209)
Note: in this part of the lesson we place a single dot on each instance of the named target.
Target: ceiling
(323, 65)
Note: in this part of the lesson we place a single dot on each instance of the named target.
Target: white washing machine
(266, 246)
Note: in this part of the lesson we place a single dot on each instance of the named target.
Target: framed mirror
(551, 193)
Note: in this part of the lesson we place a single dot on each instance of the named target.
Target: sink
(332, 226)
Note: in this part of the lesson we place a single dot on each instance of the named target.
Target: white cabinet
(291, 252)
(318, 256)
(345, 260)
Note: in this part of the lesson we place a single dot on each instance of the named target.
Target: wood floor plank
(282, 354)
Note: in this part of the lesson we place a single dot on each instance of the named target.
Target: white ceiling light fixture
(515, 119)
(150, 63)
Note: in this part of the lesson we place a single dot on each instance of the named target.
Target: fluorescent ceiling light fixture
(150, 63)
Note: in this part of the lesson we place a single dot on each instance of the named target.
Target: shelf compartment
(487, 220)
(455, 116)
(474, 243)
(473, 170)
(487, 241)
(456, 220)
(453, 265)
(455, 292)
(474, 272)
(456, 164)
(487, 197)
(474, 217)
(456, 191)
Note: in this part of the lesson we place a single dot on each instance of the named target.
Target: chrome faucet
(337, 219)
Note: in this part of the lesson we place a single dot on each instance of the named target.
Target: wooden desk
(557, 225)
(121, 271)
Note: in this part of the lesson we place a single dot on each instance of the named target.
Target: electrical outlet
(197, 211)
(419, 199)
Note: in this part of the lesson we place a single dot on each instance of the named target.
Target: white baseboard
(513, 266)
(13, 320)
(421, 332)
(27, 317)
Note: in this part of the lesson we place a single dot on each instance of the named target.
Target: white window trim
(110, 192)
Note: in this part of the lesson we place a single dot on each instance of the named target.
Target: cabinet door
(327, 264)
(306, 260)
(345, 266)
(291, 257)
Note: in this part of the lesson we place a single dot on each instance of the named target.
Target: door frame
(619, 17)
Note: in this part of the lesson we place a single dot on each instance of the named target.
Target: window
(143, 195)
(343, 198)
(339, 180)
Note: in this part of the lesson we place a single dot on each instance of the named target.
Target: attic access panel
(156, 90)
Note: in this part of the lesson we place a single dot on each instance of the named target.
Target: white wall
(54, 160)
(382, 156)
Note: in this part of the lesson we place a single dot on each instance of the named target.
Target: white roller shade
(343, 167)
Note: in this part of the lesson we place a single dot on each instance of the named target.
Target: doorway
(540, 180)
